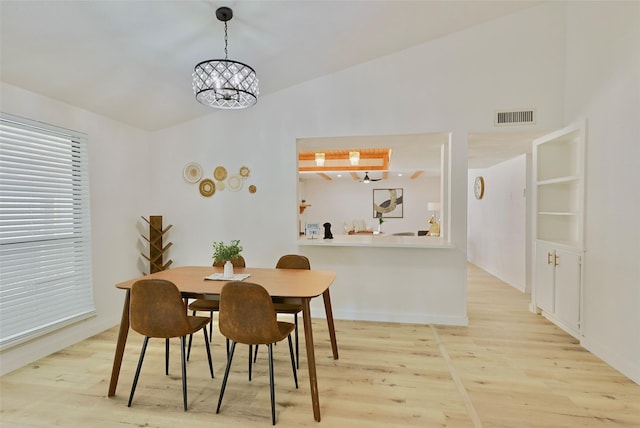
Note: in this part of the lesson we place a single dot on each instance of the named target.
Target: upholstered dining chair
(247, 316)
(211, 306)
(291, 261)
(157, 310)
(282, 306)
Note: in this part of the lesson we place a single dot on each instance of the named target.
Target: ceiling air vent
(515, 117)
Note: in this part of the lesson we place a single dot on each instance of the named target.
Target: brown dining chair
(210, 305)
(282, 306)
(247, 316)
(157, 310)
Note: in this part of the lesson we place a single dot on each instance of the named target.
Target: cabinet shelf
(567, 245)
(560, 213)
(559, 197)
(559, 180)
(559, 155)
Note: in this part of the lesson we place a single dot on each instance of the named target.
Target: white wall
(345, 200)
(118, 177)
(497, 235)
(603, 86)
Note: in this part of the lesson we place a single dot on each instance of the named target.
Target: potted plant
(225, 253)
(380, 221)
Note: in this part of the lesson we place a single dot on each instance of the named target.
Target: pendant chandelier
(223, 83)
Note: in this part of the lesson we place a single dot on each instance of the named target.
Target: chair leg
(211, 326)
(166, 356)
(255, 354)
(226, 375)
(135, 378)
(190, 339)
(272, 389)
(206, 345)
(250, 365)
(293, 366)
(184, 372)
(295, 319)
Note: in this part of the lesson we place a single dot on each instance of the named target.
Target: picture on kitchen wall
(387, 203)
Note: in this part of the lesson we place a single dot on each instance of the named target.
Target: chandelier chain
(226, 38)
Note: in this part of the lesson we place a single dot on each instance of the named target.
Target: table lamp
(434, 230)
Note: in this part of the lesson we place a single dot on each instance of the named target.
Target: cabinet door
(543, 283)
(567, 265)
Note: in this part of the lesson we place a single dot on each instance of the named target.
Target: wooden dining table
(293, 284)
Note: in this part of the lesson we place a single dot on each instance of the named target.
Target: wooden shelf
(304, 207)
(156, 248)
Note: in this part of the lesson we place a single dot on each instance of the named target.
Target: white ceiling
(132, 60)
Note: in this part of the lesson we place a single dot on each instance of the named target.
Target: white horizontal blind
(45, 234)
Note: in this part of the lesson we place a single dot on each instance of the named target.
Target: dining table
(295, 285)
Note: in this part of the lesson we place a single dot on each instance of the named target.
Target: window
(45, 242)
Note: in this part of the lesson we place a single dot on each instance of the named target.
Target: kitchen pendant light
(354, 157)
(223, 83)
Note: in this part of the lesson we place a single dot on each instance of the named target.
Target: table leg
(311, 358)
(122, 341)
(332, 330)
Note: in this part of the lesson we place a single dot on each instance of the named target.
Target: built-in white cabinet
(558, 226)
(558, 274)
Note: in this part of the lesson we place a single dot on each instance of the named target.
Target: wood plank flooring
(508, 368)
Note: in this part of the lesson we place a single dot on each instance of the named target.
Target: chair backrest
(237, 262)
(247, 314)
(157, 309)
(293, 261)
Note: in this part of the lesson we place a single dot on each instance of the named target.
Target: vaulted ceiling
(132, 60)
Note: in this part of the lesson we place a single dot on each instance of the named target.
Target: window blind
(45, 233)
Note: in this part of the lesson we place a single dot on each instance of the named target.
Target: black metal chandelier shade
(223, 83)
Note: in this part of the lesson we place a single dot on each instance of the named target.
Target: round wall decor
(220, 173)
(192, 172)
(207, 187)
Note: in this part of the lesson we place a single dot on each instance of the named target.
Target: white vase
(228, 269)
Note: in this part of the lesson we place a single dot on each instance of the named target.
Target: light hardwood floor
(508, 368)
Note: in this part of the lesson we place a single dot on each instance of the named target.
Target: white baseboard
(401, 317)
(31, 351)
(609, 356)
(565, 327)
